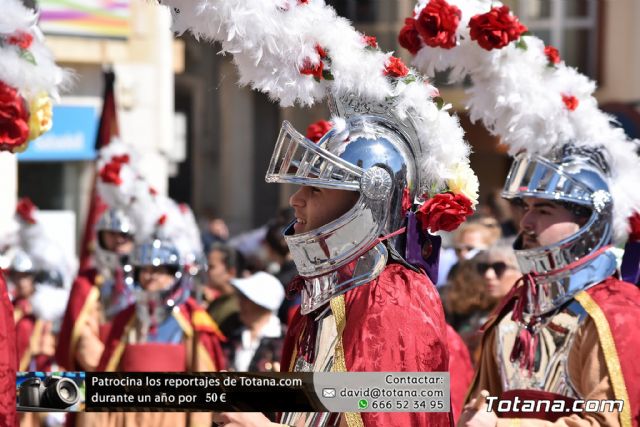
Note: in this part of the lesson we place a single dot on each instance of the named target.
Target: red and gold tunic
(597, 361)
(393, 323)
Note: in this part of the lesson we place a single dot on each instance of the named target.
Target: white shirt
(248, 347)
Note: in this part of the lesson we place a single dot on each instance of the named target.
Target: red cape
(8, 359)
(394, 323)
(82, 289)
(461, 371)
(614, 306)
(135, 356)
(620, 303)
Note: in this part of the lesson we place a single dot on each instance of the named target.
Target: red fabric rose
(437, 24)
(318, 129)
(395, 68)
(552, 54)
(25, 209)
(409, 37)
(21, 39)
(110, 173)
(570, 101)
(14, 118)
(444, 211)
(634, 227)
(162, 220)
(315, 70)
(371, 41)
(496, 28)
(406, 201)
(120, 159)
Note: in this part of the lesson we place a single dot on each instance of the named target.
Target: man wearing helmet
(97, 295)
(156, 337)
(364, 307)
(565, 332)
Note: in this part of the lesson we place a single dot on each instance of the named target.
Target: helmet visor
(533, 176)
(298, 160)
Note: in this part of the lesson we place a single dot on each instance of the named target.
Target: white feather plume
(271, 40)
(518, 95)
(29, 77)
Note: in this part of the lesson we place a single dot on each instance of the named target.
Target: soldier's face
(156, 278)
(316, 206)
(544, 223)
(119, 243)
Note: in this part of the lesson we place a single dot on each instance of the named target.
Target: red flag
(8, 359)
(107, 129)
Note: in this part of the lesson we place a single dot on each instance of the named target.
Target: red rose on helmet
(570, 101)
(496, 28)
(110, 173)
(120, 159)
(317, 130)
(370, 41)
(14, 118)
(315, 70)
(395, 68)
(437, 24)
(444, 211)
(21, 39)
(553, 56)
(634, 227)
(409, 37)
(25, 210)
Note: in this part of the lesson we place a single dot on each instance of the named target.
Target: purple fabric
(415, 241)
(630, 268)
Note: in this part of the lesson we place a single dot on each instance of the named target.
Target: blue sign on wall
(72, 137)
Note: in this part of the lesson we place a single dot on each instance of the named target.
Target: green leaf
(409, 79)
(316, 79)
(326, 74)
(521, 44)
(439, 102)
(27, 56)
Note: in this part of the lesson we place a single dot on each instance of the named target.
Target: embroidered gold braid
(354, 419)
(112, 364)
(80, 323)
(610, 354)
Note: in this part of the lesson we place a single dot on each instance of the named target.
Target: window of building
(366, 11)
(569, 25)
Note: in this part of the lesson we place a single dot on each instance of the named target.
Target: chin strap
(297, 283)
(526, 343)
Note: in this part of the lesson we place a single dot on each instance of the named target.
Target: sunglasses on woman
(498, 267)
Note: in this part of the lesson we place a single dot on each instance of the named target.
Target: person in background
(499, 268)
(471, 238)
(279, 256)
(256, 346)
(224, 264)
(216, 231)
(467, 304)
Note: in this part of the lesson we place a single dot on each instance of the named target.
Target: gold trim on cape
(79, 324)
(610, 353)
(117, 353)
(354, 419)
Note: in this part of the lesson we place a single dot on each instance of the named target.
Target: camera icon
(329, 392)
(53, 392)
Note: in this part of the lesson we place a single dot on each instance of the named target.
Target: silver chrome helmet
(21, 262)
(576, 176)
(373, 154)
(155, 253)
(115, 220)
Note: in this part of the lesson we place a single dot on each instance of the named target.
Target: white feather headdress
(121, 186)
(522, 91)
(28, 77)
(301, 52)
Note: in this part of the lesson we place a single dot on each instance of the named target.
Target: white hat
(262, 289)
